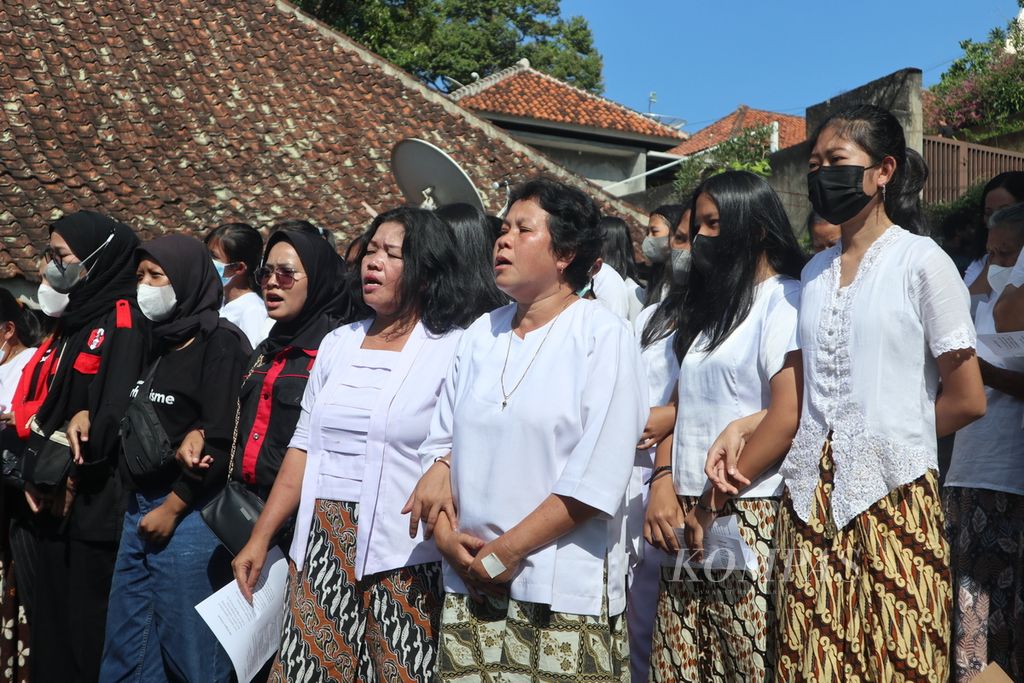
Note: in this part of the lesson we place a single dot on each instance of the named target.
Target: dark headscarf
(187, 264)
(110, 277)
(111, 272)
(326, 298)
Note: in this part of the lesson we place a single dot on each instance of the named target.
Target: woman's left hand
(694, 527)
(504, 553)
(660, 423)
(158, 525)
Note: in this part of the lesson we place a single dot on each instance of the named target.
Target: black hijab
(111, 272)
(187, 264)
(326, 297)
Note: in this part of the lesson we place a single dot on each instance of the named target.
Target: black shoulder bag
(46, 462)
(144, 441)
(232, 513)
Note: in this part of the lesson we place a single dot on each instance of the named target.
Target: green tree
(747, 151)
(438, 40)
(983, 88)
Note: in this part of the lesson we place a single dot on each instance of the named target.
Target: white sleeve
(439, 439)
(317, 378)
(610, 290)
(613, 411)
(779, 333)
(944, 304)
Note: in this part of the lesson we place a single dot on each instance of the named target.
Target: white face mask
(157, 303)
(51, 301)
(998, 276)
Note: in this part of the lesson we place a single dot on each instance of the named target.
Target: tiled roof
(176, 116)
(792, 129)
(524, 92)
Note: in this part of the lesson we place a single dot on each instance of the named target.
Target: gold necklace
(506, 396)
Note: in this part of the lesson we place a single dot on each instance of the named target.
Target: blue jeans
(154, 633)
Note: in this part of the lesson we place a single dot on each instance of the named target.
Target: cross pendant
(503, 404)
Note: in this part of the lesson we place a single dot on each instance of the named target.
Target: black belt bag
(144, 441)
(47, 459)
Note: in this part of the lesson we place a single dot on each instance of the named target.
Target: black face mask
(836, 192)
(706, 253)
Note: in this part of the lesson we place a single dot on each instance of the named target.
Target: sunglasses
(285, 277)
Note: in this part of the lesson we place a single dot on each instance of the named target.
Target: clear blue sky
(706, 57)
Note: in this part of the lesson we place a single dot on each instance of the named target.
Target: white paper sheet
(1003, 344)
(724, 548)
(250, 634)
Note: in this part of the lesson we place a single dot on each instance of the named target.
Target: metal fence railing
(954, 166)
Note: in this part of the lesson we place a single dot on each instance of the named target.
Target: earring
(883, 194)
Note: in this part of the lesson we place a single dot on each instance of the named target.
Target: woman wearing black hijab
(168, 561)
(89, 365)
(304, 290)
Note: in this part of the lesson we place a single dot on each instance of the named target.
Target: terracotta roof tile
(792, 129)
(527, 93)
(179, 116)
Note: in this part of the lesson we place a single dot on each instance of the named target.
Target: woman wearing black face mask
(736, 341)
(884, 319)
(89, 365)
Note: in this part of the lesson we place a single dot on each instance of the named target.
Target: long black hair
(617, 251)
(752, 223)
(879, 133)
(241, 243)
(660, 273)
(432, 286)
(474, 235)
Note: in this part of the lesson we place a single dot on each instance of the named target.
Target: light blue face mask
(221, 267)
(586, 289)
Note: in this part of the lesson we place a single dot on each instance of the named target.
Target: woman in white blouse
(541, 413)
(864, 582)
(983, 495)
(364, 598)
(736, 338)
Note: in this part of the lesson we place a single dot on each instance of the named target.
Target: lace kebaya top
(870, 374)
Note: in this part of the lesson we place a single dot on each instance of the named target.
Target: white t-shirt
(974, 269)
(870, 371)
(989, 453)
(733, 381)
(610, 290)
(637, 295)
(569, 428)
(10, 375)
(250, 315)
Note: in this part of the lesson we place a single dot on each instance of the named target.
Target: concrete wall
(899, 92)
(603, 169)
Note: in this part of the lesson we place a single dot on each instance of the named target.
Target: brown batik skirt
(380, 628)
(868, 602)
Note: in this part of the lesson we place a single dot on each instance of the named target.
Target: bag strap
(238, 416)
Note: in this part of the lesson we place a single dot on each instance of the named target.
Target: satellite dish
(429, 178)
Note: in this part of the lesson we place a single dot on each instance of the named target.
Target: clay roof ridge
(491, 80)
(671, 132)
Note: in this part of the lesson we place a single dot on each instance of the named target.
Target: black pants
(72, 585)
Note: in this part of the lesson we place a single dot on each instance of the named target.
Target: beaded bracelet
(658, 472)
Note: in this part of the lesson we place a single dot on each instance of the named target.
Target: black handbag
(144, 441)
(232, 513)
(46, 462)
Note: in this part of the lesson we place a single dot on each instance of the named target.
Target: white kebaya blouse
(569, 428)
(380, 478)
(733, 381)
(870, 374)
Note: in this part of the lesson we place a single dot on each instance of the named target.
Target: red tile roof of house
(177, 116)
(792, 129)
(523, 92)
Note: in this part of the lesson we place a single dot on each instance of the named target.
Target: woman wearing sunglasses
(364, 598)
(303, 283)
(78, 384)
